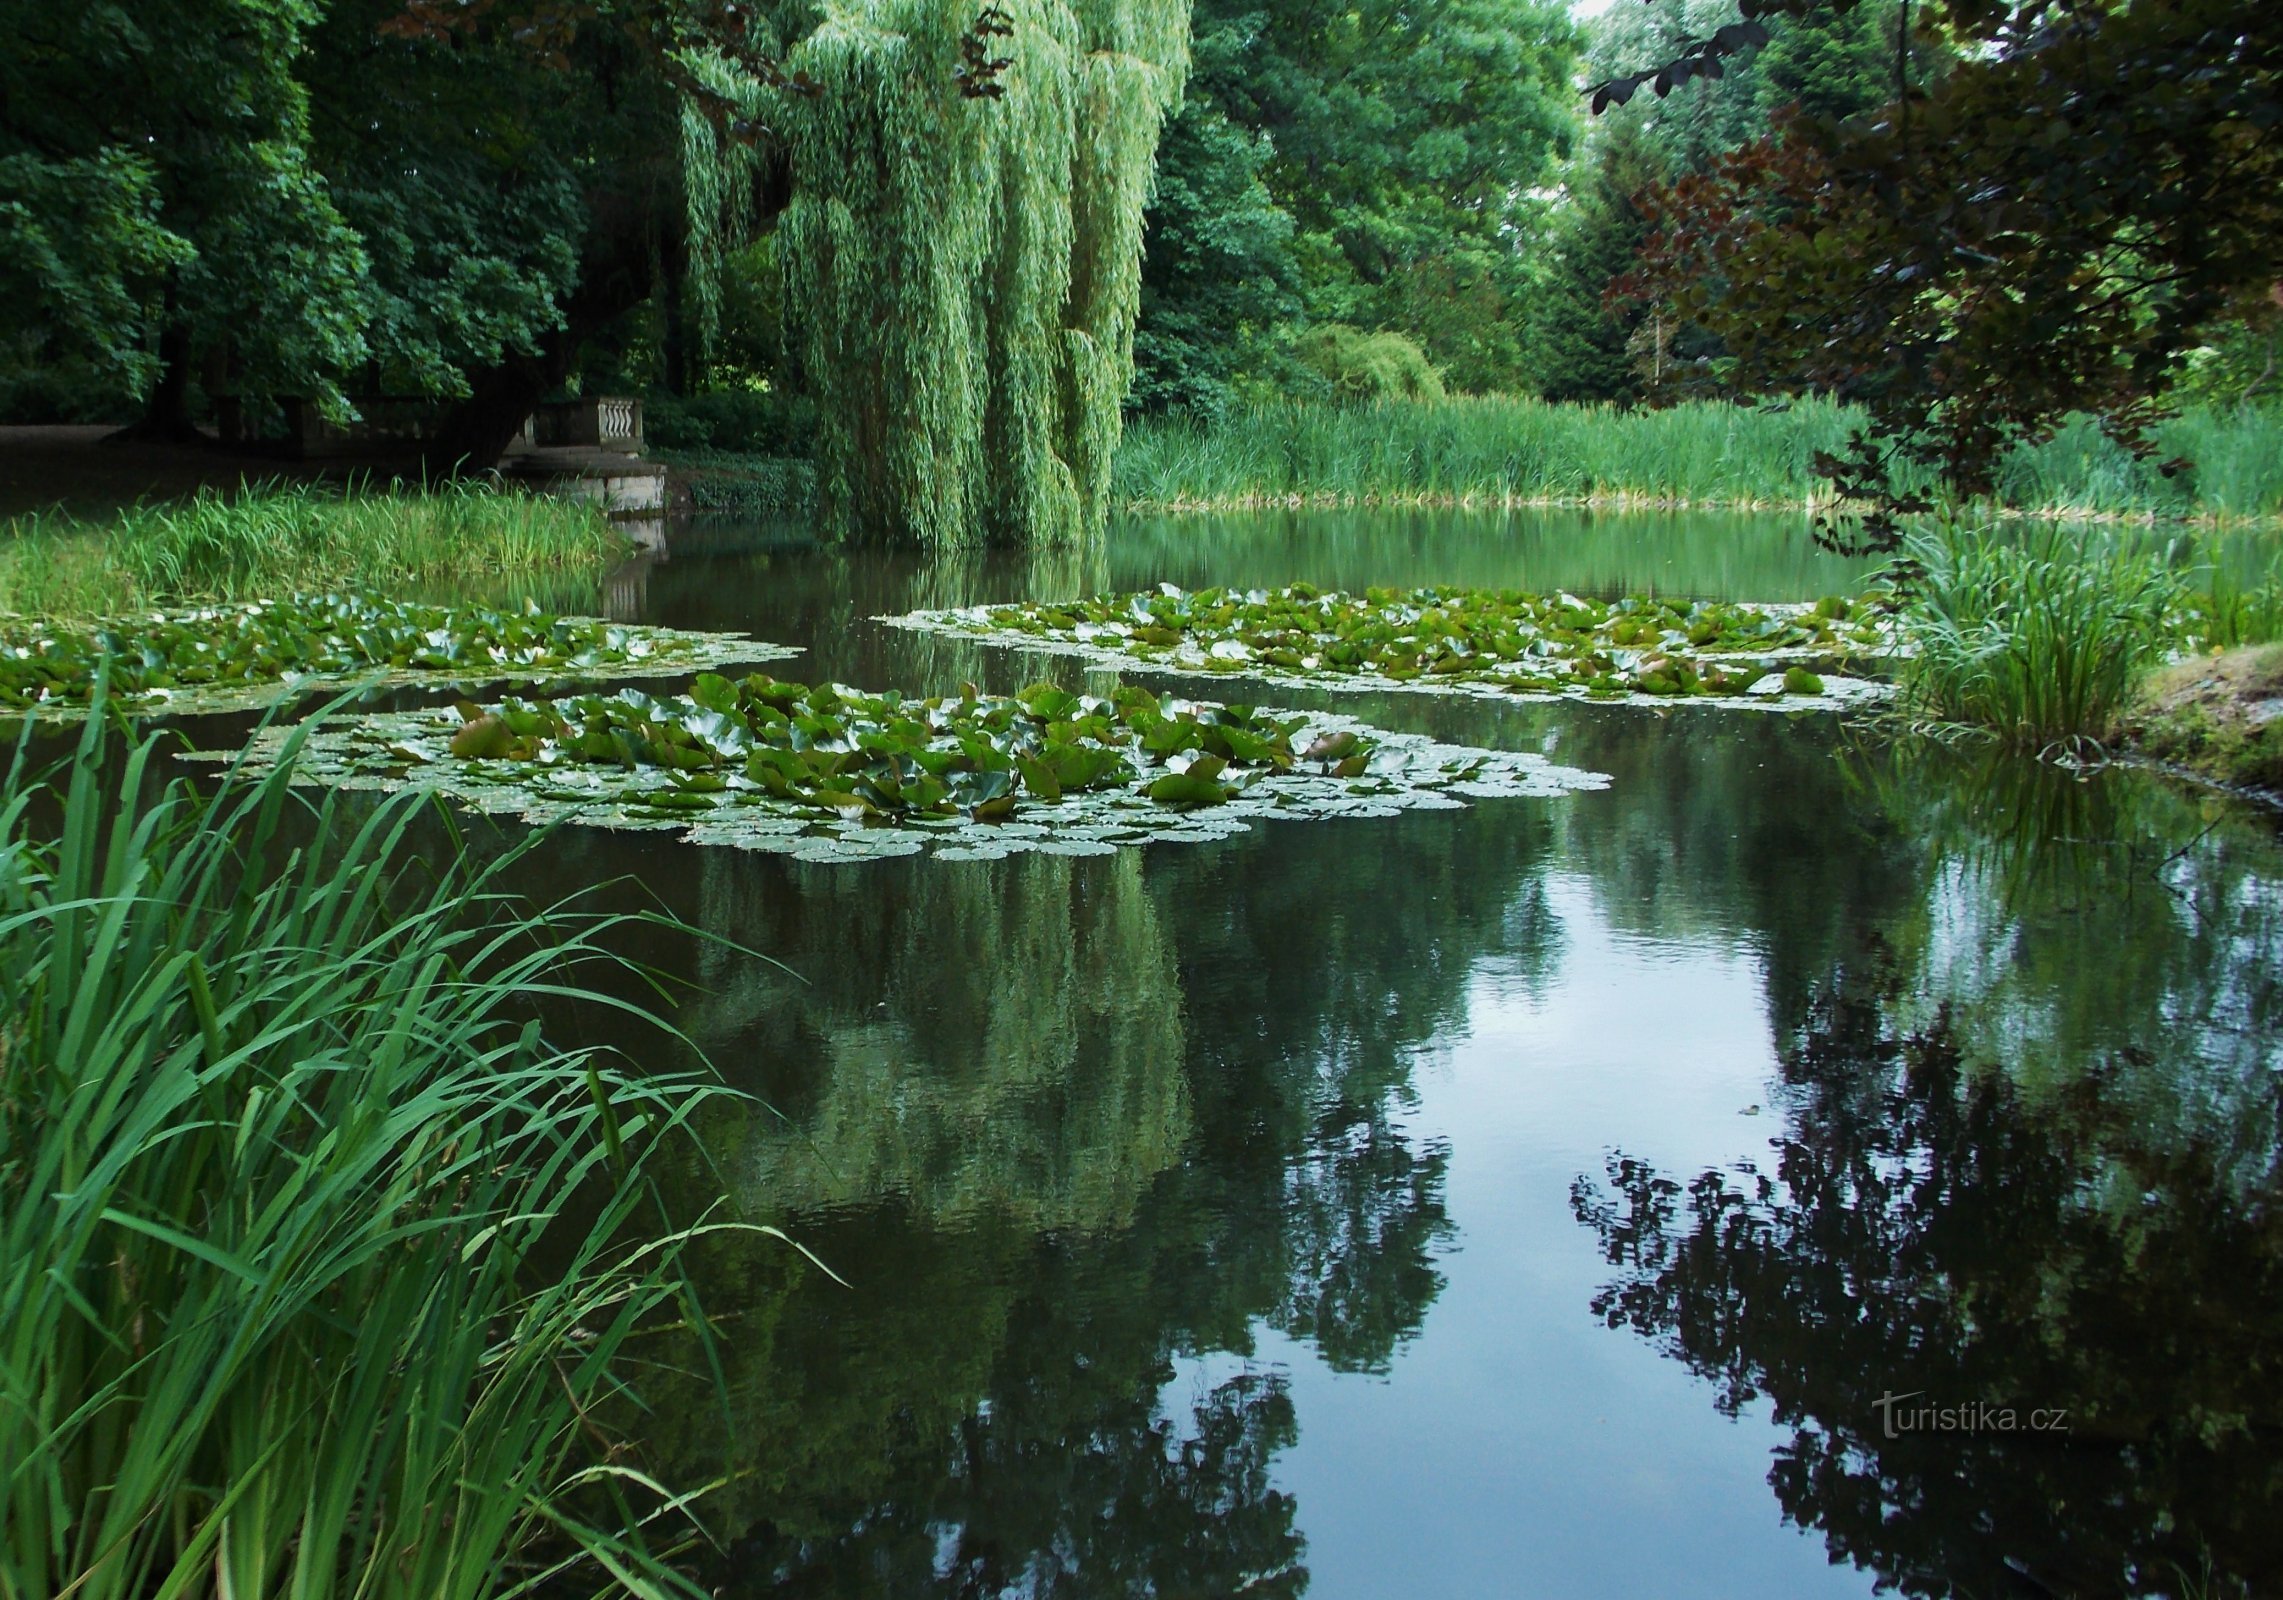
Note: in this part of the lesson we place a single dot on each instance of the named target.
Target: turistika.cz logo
(1898, 1416)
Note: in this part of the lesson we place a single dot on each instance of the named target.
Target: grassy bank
(279, 1144)
(2220, 716)
(266, 542)
(1496, 451)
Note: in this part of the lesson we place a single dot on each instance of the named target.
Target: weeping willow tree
(964, 269)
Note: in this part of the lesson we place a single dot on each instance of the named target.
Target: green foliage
(1399, 140)
(967, 269)
(762, 422)
(2040, 643)
(183, 121)
(1219, 281)
(1577, 346)
(229, 656)
(1506, 640)
(1506, 451)
(279, 1143)
(1479, 449)
(747, 485)
(273, 540)
(2237, 363)
(2047, 231)
(839, 750)
(833, 774)
(83, 259)
(459, 172)
(1368, 366)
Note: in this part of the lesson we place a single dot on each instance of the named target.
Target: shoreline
(1634, 502)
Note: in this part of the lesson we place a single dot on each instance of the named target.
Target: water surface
(1537, 1199)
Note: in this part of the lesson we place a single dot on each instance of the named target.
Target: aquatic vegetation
(285, 538)
(1499, 642)
(228, 657)
(831, 773)
(1508, 450)
(273, 1119)
(2040, 643)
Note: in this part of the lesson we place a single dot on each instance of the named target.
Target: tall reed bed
(1489, 449)
(279, 1145)
(266, 542)
(1479, 448)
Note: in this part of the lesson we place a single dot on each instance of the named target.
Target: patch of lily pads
(831, 773)
(233, 657)
(1506, 642)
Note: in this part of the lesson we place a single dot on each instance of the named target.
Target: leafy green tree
(1402, 141)
(459, 171)
(181, 128)
(1219, 280)
(84, 261)
(1582, 345)
(2050, 229)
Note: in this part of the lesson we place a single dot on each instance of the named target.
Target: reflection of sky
(1519, 1447)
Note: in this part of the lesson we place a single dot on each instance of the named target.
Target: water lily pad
(1644, 649)
(236, 657)
(743, 770)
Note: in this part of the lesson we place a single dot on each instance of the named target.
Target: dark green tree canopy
(155, 170)
(2049, 229)
(1400, 142)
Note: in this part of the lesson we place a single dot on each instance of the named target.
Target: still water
(1538, 1199)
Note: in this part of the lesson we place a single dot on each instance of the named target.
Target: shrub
(1369, 366)
(762, 422)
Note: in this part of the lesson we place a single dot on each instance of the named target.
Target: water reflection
(2030, 1163)
(1128, 1163)
(1057, 1124)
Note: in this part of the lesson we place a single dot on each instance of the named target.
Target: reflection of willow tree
(972, 1040)
(1311, 986)
(983, 1406)
(2084, 1210)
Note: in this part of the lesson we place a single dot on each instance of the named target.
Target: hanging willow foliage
(718, 174)
(966, 269)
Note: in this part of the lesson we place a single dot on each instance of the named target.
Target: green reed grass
(274, 540)
(279, 1145)
(1480, 448)
(2038, 641)
(1497, 450)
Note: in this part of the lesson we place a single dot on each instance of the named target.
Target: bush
(1369, 366)
(762, 422)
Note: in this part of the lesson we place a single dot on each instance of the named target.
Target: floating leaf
(223, 658)
(631, 760)
(1466, 641)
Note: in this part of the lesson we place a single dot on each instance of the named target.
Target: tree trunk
(166, 416)
(476, 432)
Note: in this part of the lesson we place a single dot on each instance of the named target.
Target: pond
(1798, 1168)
